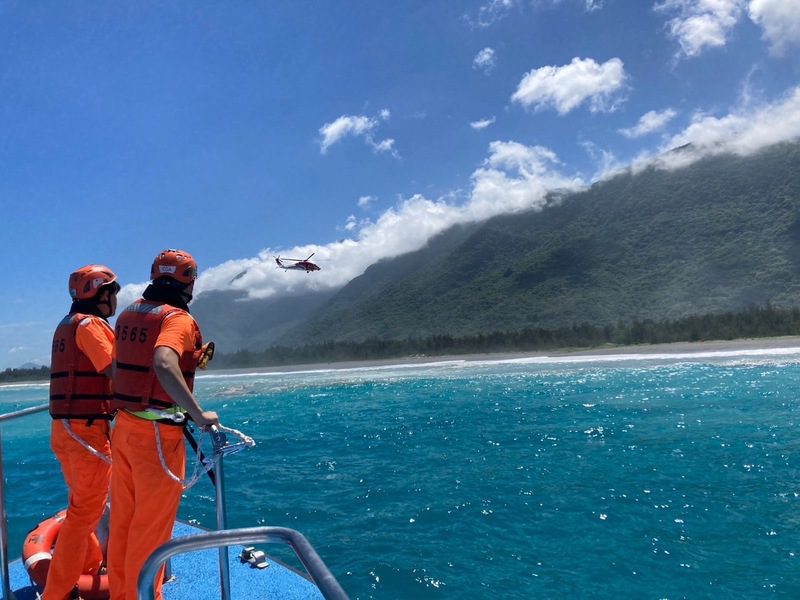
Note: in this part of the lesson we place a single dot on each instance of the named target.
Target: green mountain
(237, 323)
(722, 234)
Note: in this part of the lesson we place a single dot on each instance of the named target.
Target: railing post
(4, 527)
(319, 572)
(224, 574)
(6, 583)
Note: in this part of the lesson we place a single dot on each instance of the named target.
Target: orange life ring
(37, 554)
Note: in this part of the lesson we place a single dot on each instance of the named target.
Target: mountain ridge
(719, 235)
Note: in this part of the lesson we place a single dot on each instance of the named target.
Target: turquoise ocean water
(665, 477)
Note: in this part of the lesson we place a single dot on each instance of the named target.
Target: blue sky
(355, 130)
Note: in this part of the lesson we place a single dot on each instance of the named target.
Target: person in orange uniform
(158, 349)
(80, 405)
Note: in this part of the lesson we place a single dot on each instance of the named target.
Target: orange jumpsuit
(144, 498)
(77, 549)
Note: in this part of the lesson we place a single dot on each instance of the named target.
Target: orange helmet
(86, 281)
(176, 264)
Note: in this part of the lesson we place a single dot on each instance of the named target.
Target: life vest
(136, 386)
(77, 390)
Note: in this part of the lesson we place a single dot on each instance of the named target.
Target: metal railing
(319, 572)
(3, 515)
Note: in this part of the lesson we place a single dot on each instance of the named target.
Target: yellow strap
(149, 416)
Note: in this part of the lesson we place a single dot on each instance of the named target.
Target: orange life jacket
(77, 390)
(136, 386)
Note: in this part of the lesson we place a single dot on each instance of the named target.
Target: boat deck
(196, 577)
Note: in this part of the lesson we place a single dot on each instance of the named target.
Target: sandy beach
(677, 348)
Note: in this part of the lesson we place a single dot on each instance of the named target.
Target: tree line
(754, 322)
(34, 374)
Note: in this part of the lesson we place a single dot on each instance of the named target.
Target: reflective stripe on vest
(77, 390)
(136, 386)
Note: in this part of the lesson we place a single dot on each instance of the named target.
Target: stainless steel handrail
(3, 516)
(319, 572)
(224, 572)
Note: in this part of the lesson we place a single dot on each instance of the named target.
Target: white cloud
(566, 87)
(485, 60)
(780, 21)
(516, 177)
(386, 145)
(131, 291)
(25, 341)
(607, 164)
(649, 122)
(743, 131)
(482, 123)
(700, 24)
(365, 201)
(342, 127)
(351, 223)
(356, 126)
(492, 11)
(512, 178)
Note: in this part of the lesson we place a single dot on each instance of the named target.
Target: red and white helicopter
(299, 264)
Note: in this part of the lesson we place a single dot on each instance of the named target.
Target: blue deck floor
(196, 577)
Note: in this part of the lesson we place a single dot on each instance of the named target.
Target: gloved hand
(206, 354)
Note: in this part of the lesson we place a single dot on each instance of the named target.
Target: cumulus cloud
(485, 60)
(567, 87)
(365, 201)
(649, 122)
(780, 22)
(516, 177)
(513, 177)
(700, 24)
(743, 131)
(342, 127)
(356, 126)
(482, 123)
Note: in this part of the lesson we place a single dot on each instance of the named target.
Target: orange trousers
(77, 550)
(144, 500)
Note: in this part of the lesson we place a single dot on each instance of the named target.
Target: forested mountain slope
(234, 322)
(722, 234)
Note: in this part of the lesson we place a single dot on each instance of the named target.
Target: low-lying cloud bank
(514, 177)
(743, 131)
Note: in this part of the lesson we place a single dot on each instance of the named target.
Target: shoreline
(677, 348)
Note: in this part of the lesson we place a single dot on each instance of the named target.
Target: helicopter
(299, 264)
